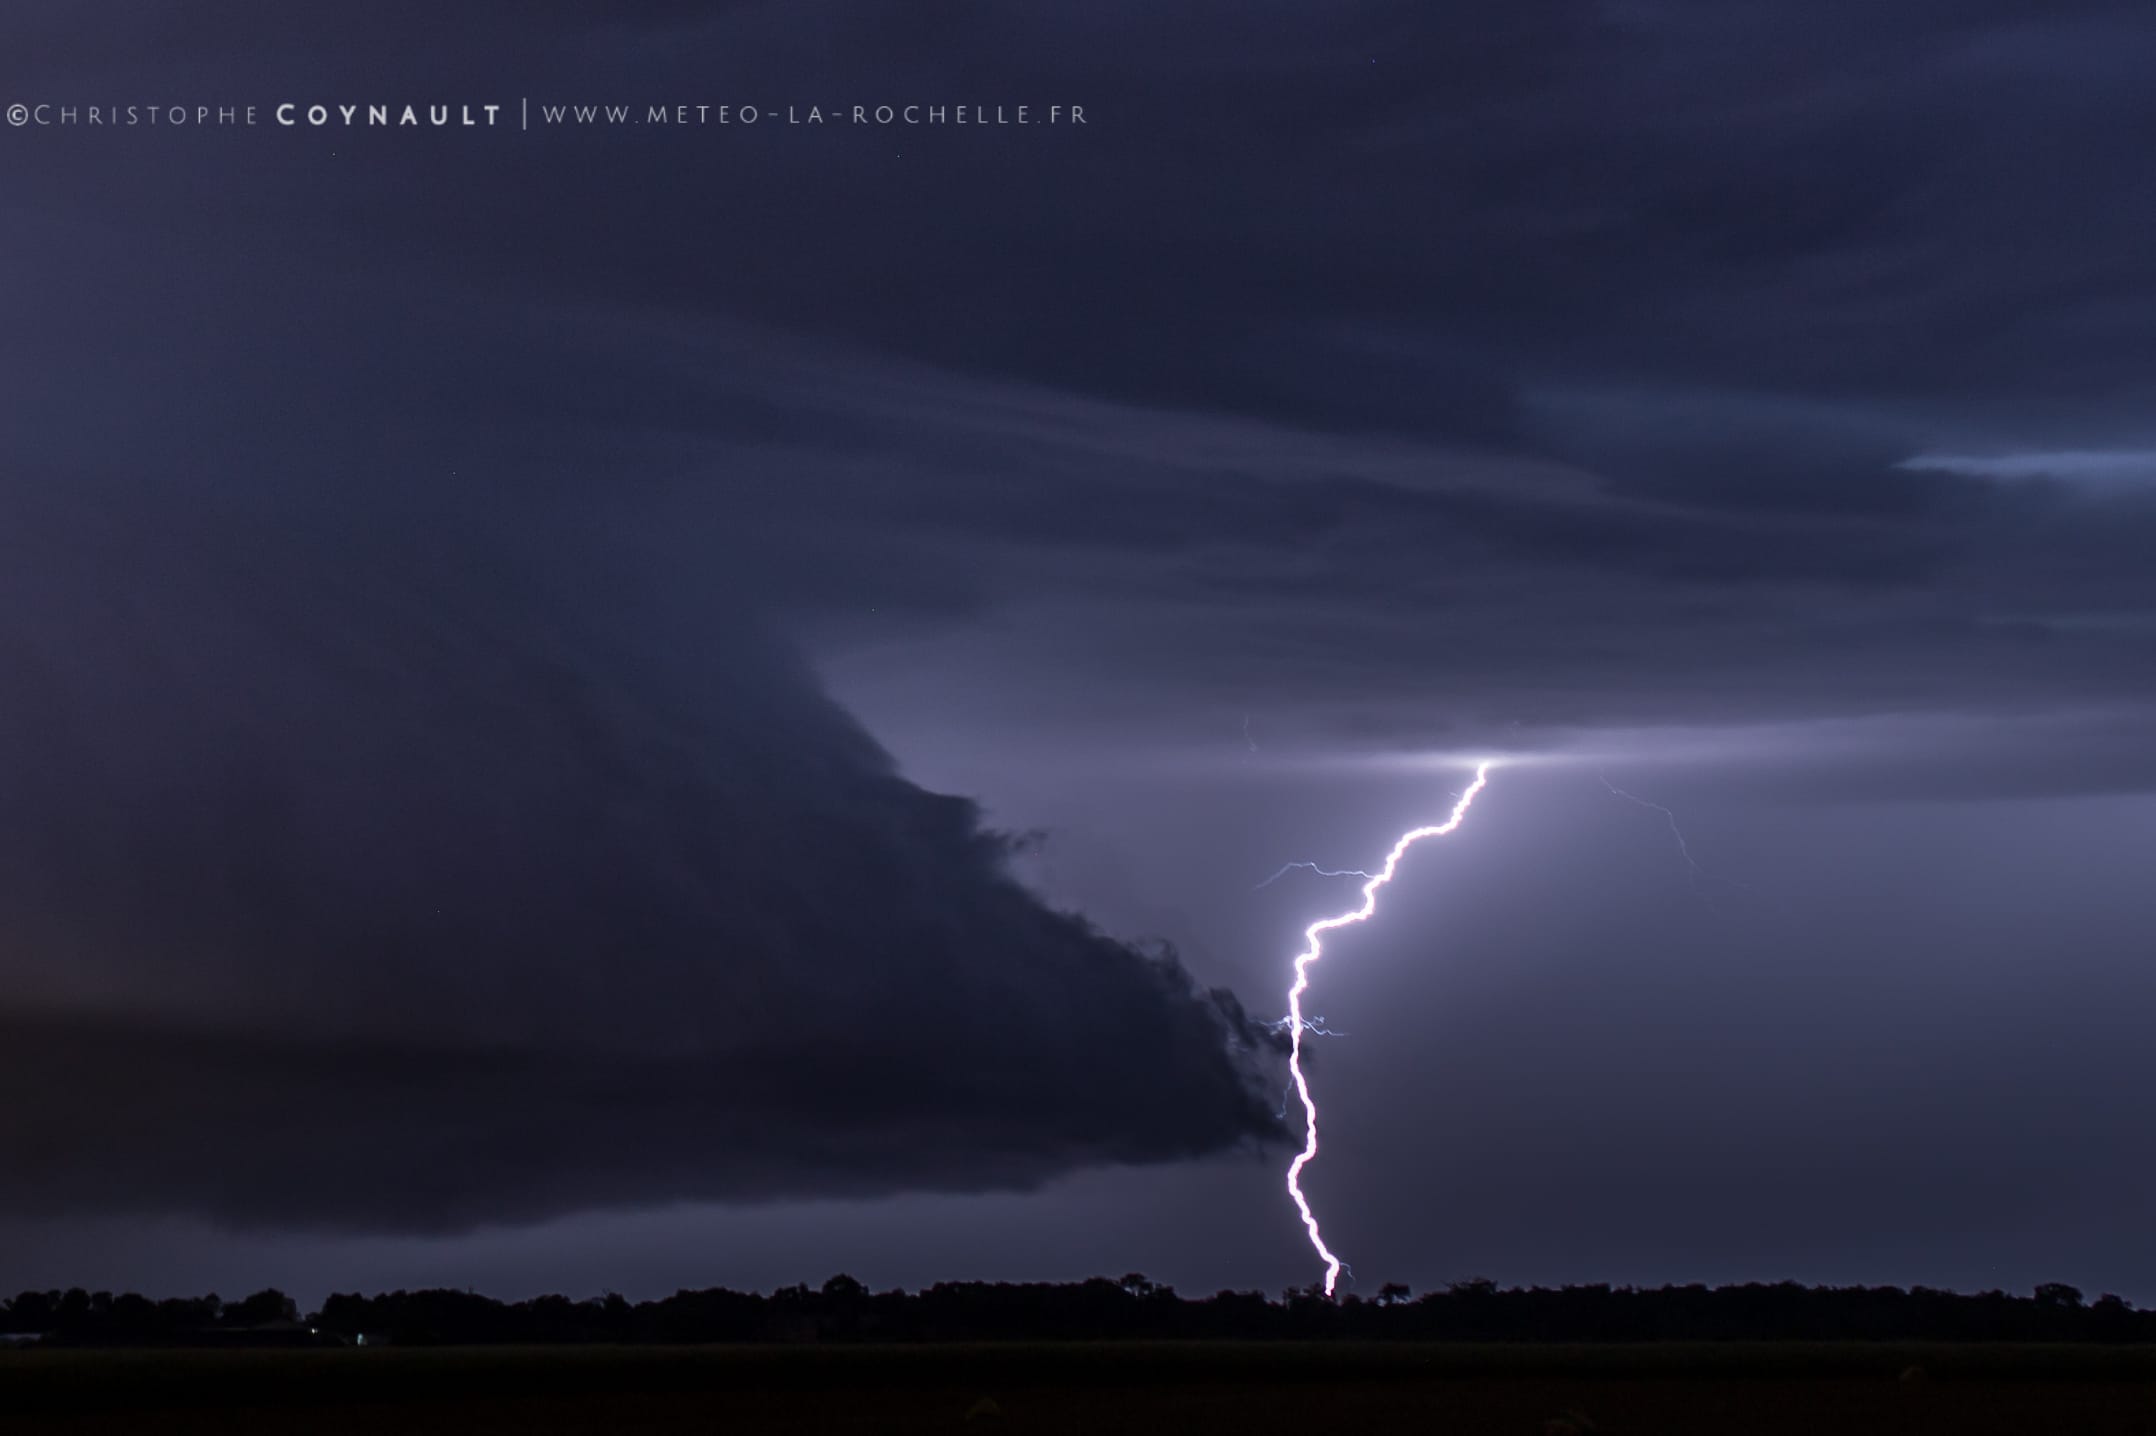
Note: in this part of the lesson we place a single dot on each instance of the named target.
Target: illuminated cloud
(2124, 467)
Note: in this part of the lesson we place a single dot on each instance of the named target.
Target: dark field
(1331, 1388)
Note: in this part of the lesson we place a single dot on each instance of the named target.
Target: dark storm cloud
(1401, 370)
(397, 1135)
(1378, 213)
(398, 869)
(1726, 270)
(1730, 560)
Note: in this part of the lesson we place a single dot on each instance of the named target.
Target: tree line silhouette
(843, 1309)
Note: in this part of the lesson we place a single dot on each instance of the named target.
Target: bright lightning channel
(1312, 951)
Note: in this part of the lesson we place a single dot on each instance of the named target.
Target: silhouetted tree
(264, 1307)
(1132, 1306)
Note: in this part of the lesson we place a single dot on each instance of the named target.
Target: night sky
(629, 706)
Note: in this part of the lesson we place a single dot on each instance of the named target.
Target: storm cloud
(426, 557)
(1617, 325)
(391, 873)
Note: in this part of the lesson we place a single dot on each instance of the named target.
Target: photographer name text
(526, 115)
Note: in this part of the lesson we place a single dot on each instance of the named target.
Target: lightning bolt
(1311, 952)
(1699, 874)
(1682, 851)
(1286, 868)
(1315, 1026)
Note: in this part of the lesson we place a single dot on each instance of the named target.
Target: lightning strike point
(1312, 951)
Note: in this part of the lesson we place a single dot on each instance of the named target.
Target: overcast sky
(625, 706)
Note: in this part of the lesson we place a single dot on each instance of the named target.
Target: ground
(1117, 1388)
